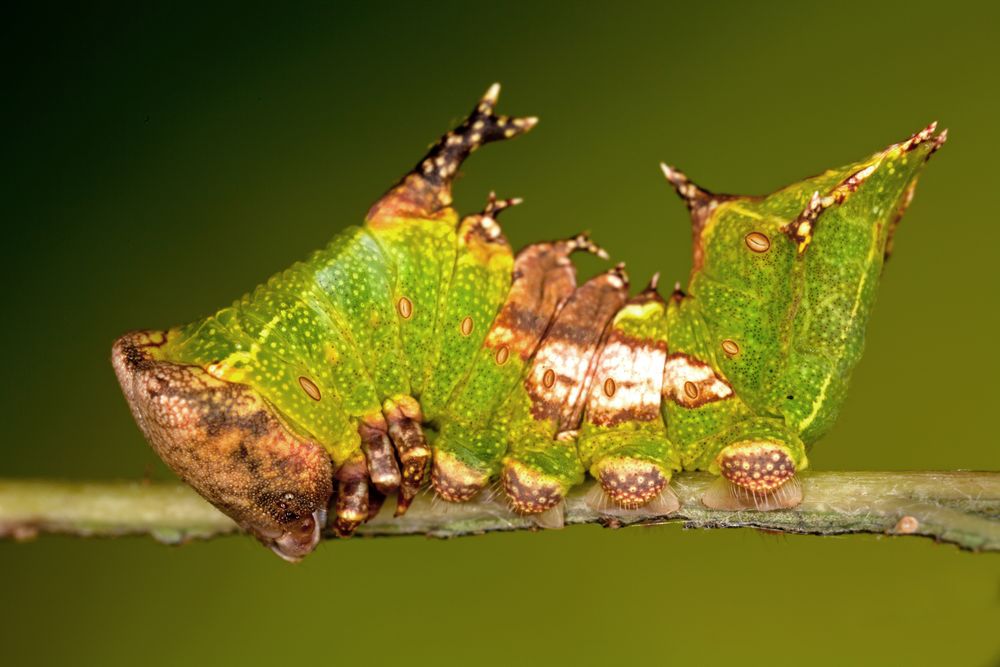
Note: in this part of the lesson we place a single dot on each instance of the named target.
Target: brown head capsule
(757, 242)
(466, 327)
(309, 387)
(405, 307)
(730, 347)
(228, 443)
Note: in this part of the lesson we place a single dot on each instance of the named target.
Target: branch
(961, 508)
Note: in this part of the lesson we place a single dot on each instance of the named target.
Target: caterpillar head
(227, 443)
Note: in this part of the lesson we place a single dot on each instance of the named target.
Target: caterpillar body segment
(419, 345)
(475, 429)
(479, 283)
(623, 440)
(422, 253)
(698, 400)
(540, 466)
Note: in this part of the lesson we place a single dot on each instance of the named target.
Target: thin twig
(961, 508)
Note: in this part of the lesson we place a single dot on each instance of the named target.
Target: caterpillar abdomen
(418, 348)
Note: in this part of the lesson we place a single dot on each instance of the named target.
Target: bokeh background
(158, 162)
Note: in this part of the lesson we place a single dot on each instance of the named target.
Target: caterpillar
(417, 348)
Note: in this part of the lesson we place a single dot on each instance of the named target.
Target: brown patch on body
(565, 361)
(632, 369)
(224, 440)
(543, 278)
(691, 383)
(757, 467)
(529, 491)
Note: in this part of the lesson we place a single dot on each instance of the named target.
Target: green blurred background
(159, 162)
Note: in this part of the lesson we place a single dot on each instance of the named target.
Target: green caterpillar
(419, 342)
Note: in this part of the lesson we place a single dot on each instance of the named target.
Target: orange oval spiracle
(691, 389)
(730, 347)
(466, 326)
(405, 307)
(503, 353)
(757, 242)
(610, 387)
(309, 387)
(549, 378)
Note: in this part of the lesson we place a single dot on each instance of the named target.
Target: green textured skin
(422, 305)
(690, 428)
(797, 317)
(474, 428)
(422, 252)
(476, 290)
(531, 442)
(358, 277)
(641, 439)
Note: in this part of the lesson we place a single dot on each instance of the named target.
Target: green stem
(961, 508)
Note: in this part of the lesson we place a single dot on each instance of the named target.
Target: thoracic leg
(411, 446)
(351, 505)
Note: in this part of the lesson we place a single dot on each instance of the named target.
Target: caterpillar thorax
(419, 341)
